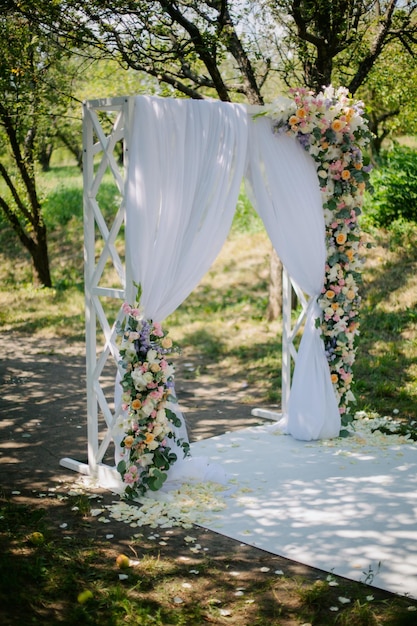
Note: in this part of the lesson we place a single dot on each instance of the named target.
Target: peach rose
(128, 441)
(341, 238)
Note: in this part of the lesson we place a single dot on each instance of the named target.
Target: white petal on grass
(343, 600)
(264, 569)
(225, 612)
(370, 598)
(109, 536)
(279, 572)
(178, 600)
(95, 512)
(64, 525)
(123, 576)
(334, 608)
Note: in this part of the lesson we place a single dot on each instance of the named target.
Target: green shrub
(395, 189)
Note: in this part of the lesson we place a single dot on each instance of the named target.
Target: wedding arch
(182, 167)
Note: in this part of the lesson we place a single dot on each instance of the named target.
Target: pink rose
(157, 329)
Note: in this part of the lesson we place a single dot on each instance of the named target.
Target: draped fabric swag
(187, 159)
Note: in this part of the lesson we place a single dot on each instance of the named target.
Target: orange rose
(330, 294)
(338, 125)
(345, 175)
(301, 113)
(136, 404)
(341, 238)
(149, 438)
(293, 120)
(335, 378)
(128, 441)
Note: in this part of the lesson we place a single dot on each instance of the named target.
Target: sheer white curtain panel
(186, 165)
(285, 189)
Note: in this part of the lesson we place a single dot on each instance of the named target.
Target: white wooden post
(289, 351)
(99, 249)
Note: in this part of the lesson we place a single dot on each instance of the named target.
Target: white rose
(151, 356)
(160, 416)
(138, 379)
(147, 408)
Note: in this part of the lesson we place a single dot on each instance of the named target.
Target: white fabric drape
(186, 162)
(287, 196)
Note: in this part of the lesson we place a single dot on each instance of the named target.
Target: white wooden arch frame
(99, 158)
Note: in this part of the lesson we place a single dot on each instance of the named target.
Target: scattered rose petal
(162, 543)
(412, 608)
(189, 539)
(264, 569)
(123, 576)
(343, 600)
(194, 571)
(178, 600)
(370, 598)
(187, 585)
(334, 608)
(225, 612)
(109, 536)
(279, 572)
(239, 593)
(64, 525)
(15, 493)
(95, 512)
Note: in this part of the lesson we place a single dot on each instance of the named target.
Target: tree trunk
(40, 258)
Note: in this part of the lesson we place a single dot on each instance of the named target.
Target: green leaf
(157, 479)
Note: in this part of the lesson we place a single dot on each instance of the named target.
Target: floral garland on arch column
(331, 128)
(149, 422)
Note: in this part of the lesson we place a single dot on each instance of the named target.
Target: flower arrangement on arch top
(148, 388)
